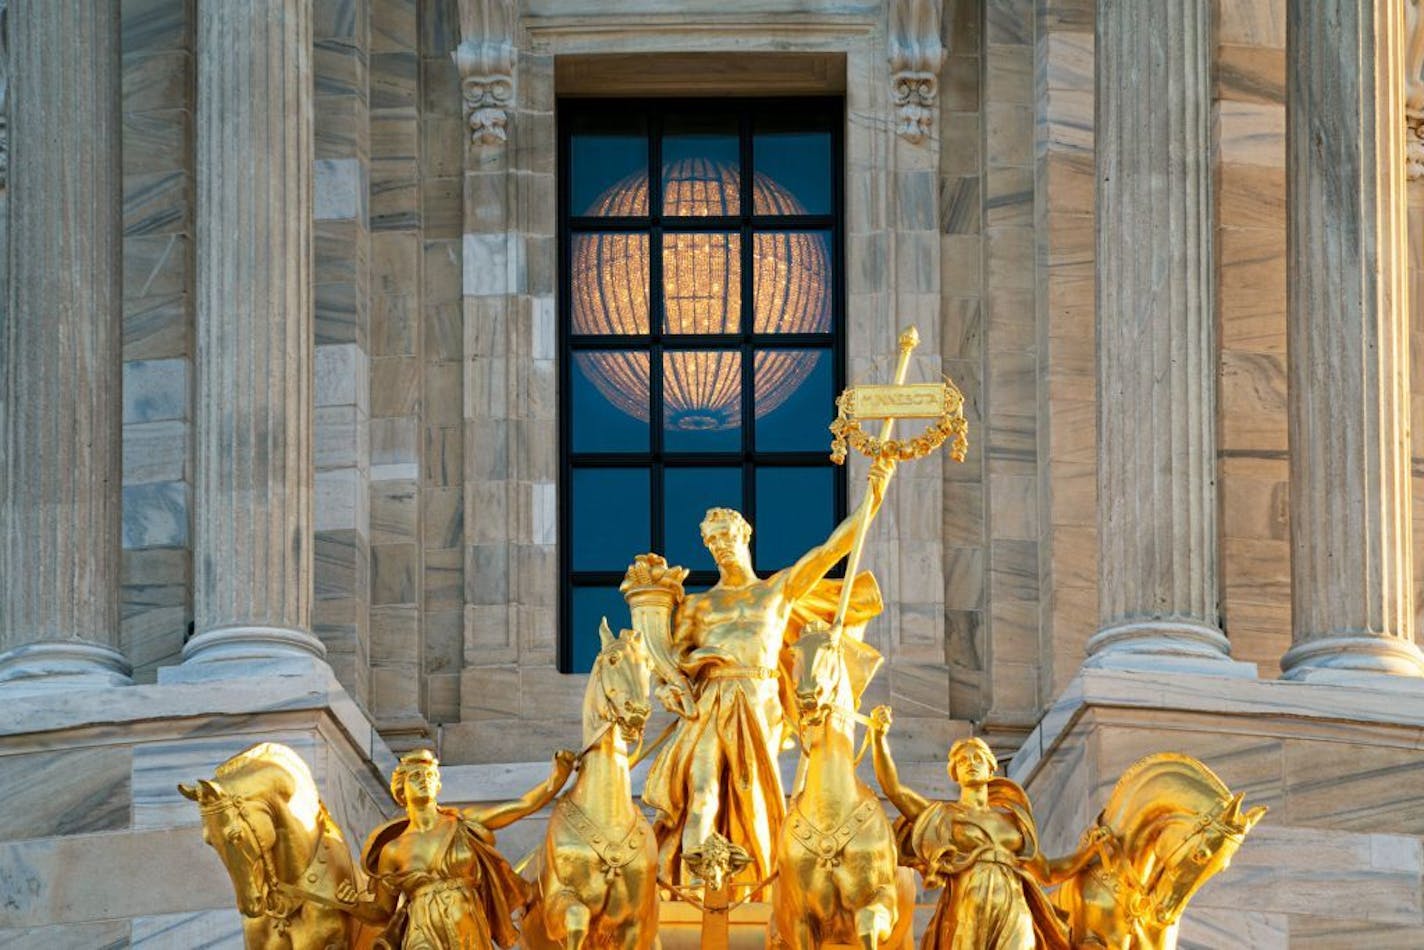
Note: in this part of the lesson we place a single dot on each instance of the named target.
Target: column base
(1150, 646)
(233, 652)
(1352, 660)
(62, 664)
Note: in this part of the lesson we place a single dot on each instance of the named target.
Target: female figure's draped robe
(466, 898)
(990, 902)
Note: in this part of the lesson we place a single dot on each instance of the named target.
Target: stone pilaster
(1157, 519)
(252, 552)
(60, 418)
(1348, 336)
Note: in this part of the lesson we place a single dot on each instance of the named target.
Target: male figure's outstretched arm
(815, 563)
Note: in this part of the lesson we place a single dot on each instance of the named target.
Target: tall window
(701, 326)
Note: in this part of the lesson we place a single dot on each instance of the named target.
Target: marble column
(60, 457)
(1157, 520)
(1352, 604)
(252, 525)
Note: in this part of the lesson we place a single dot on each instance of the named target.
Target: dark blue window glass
(611, 523)
(795, 511)
(599, 423)
(604, 151)
(795, 400)
(791, 151)
(688, 493)
(590, 605)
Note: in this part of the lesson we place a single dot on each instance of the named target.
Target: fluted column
(1352, 605)
(1158, 598)
(60, 456)
(252, 530)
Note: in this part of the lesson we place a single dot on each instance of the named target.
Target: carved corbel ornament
(916, 53)
(486, 58)
(1414, 89)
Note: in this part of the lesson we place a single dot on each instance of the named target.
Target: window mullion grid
(748, 343)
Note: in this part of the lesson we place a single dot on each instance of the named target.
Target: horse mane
(593, 703)
(1161, 785)
(250, 774)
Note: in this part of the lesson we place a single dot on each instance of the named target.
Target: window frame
(656, 460)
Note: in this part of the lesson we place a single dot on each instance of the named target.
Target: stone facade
(1178, 474)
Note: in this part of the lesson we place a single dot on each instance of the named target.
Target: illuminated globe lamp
(702, 294)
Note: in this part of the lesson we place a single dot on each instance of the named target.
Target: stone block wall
(158, 101)
(436, 446)
(1253, 462)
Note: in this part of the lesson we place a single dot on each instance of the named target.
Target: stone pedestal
(1352, 605)
(60, 351)
(1157, 519)
(252, 553)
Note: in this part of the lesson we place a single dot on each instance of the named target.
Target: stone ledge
(312, 690)
(1382, 701)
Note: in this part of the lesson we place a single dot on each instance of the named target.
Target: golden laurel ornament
(949, 424)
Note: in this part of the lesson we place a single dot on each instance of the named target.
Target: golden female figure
(983, 849)
(439, 883)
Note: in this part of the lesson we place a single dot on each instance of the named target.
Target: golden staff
(908, 341)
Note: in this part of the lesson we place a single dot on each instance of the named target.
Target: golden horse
(1169, 825)
(837, 880)
(284, 853)
(599, 864)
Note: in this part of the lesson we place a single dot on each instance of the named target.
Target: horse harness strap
(316, 871)
(614, 855)
(828, 846)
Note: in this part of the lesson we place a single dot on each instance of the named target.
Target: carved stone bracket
(1414, 145)
(486, 58)
(916, 53)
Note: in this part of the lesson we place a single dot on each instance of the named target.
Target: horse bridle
(1140, 891)
(272, 888)
(612, 719)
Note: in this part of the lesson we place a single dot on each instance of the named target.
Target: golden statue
(439, 883)
(982, 849)
(1169, 825)
(597, 877)
(837, 877)
(718, 659)
(286, 857)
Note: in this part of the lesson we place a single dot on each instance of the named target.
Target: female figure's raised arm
(507, 813)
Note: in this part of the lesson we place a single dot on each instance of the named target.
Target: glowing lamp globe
(702, 294)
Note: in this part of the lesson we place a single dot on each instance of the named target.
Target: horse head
(261, 814)
(244, 835)
(1191, 850)
(829, 671)
(618, 685)
(1175, 825)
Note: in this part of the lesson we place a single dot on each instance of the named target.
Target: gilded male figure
(720, 666)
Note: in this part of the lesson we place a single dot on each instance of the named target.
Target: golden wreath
(950, 424)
